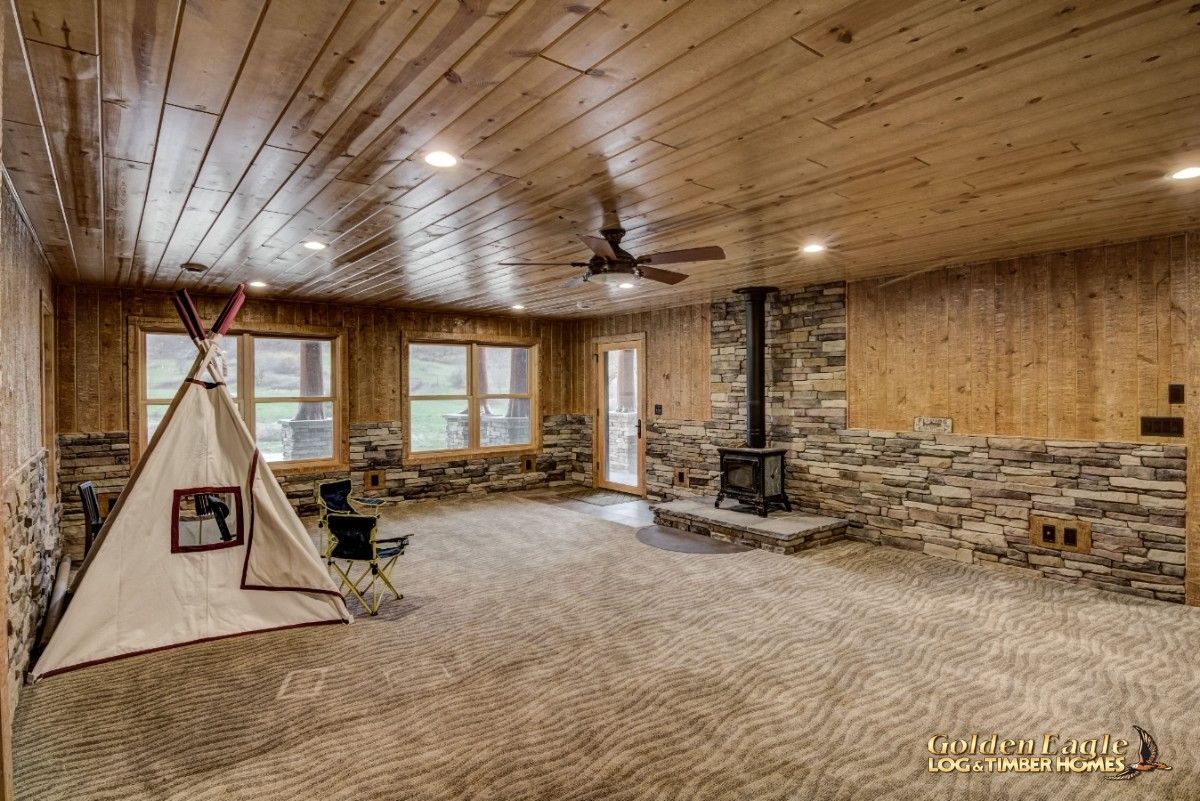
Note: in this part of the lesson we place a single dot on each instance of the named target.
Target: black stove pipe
(756, 364)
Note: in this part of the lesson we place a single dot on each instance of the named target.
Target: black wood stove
(755, 474)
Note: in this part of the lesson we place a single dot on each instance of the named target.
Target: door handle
(639, 428)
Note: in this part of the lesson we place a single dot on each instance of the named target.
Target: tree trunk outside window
(312, 380)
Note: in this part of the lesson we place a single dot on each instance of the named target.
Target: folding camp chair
(337, 497)
(354, 539)
(213, 506)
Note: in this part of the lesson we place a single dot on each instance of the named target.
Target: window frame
(474, 450)
(246, 399)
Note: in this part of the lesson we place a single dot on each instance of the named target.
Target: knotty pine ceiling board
(904, 136)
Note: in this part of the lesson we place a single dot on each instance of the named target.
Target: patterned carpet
(541, 653)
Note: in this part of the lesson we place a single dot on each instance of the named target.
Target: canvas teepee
(202, 544)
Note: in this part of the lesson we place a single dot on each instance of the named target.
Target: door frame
(600, 346)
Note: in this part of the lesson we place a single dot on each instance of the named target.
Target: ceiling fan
(612, 265)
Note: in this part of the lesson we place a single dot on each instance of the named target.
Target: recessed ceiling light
(625, 285)
(1186, 173)
(814, 247)
(440, 158)
(313, 244)
(518, 306)
(258, 284)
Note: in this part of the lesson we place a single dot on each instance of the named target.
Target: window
(471, 397)
(206, 518)
(284, 386)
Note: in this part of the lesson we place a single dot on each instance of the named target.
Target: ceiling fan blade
(712, 253)
(543, 264)
(598, 246)
(662, 276)
(575, 282)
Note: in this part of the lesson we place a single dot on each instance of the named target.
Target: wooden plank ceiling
(905, 136)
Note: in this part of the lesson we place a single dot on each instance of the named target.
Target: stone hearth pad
(782, 532)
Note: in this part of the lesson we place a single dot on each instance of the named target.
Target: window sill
(300, 468)
(443, 457)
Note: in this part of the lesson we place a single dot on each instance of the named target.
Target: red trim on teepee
(250, 542)
(189, 315)
(105, 659)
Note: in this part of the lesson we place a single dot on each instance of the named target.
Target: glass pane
(437, 369)
(294, 431)
(205, 520)
(439, 425)
(503, 371)
(621, 417)
(504, 421)
(154, 416)
(292, 367)
(168, 358)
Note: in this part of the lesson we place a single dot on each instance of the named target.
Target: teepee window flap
(206, 518)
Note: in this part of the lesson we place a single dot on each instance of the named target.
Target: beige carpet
(546, 654)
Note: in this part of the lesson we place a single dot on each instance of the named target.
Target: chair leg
(367, 582)
(346, 581)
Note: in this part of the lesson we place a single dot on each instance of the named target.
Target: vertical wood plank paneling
(1191, 324)
(1120, 346)
(959, 353)
(1070, 345)
(92, 326)
(1089, 317)
(1062, 352)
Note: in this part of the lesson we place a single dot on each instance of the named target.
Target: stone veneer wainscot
(566, 456)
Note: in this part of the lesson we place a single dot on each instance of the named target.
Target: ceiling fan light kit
(610, 264)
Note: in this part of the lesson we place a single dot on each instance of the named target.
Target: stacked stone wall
(33, 550)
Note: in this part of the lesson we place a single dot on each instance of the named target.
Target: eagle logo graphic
(1147, 762)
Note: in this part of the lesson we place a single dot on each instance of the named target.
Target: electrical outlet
(373, 479)
(106, 501)
(658, 408)
(682, 477)
(528, 464)
(1060, 534)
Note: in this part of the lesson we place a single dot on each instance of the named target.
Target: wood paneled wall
(679, 362)
(25, 285)
(1070, 345)
(93, 350)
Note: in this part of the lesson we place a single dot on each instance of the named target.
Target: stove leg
(787, 505)
(717, 505)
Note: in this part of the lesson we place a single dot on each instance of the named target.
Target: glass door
(620, 441)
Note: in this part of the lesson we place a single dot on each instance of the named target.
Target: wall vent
(682, 477)
(1162, 426)
(1060, 534)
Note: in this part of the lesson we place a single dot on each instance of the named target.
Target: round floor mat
(673, 539)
